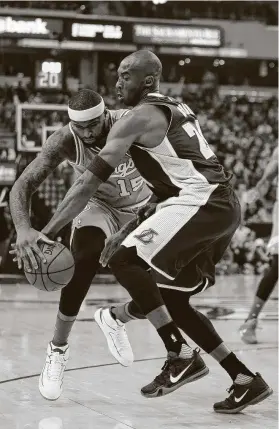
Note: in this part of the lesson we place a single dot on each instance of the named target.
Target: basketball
(56, 272)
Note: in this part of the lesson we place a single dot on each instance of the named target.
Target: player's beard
(100, 139)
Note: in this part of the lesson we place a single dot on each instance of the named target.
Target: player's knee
(88, 243)
(122, 257)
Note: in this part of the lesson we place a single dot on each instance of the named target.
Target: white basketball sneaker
(116, 335)
(51, 378)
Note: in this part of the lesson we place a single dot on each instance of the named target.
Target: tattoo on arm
(58, 147)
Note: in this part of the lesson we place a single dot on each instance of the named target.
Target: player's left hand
(26, 247)
(111, 245)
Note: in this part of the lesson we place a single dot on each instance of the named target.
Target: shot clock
(49, 74)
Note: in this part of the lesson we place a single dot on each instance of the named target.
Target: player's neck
(145, 94)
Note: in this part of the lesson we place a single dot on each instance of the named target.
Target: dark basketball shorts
(183, 243)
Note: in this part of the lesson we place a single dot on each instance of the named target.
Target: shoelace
(167, 367)
(165, 372)
(56, 366)
(122, 336)
(231, 391)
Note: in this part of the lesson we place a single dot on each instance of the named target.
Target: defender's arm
(122, 135)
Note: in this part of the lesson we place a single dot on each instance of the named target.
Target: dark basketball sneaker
(176, 372)
(243, 395)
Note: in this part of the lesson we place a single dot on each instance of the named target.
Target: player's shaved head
(139, 74)
(144, 61)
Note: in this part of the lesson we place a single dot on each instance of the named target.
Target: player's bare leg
(266, 286)
(72, 296)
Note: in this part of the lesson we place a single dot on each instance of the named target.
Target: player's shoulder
(63, 133)
(115, 115)
(149, 114)
(61, 141)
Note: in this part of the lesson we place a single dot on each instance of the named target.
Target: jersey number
(192, 131)
(135, 184)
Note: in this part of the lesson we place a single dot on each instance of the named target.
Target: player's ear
(149, 81)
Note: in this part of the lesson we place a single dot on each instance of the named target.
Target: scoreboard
(48, 74)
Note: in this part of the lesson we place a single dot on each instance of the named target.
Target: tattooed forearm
(58, 147)
(21, 193)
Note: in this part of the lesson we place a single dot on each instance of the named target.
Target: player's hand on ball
(26, 247)
(111, 245)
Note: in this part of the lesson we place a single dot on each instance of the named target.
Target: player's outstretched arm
(270, 171)
(122, 135)
(58, 147)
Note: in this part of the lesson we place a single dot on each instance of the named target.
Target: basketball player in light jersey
(182, 241)
(270, 278)
(115, 203)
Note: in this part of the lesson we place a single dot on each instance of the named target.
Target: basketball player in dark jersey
(182, 241)
(116, 203)
(270, 278)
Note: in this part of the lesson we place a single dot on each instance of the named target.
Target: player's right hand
(26, 247)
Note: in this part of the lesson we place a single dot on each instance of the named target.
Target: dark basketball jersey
(183, 164)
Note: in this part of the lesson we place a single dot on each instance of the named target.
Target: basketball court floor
(101, 394)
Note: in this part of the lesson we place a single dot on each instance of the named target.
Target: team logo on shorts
(146, 236)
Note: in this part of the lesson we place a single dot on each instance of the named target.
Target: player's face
(130, 84)
(89, 131)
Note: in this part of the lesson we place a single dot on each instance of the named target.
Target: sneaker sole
(162, 391)
(111, 346)
(261, 397)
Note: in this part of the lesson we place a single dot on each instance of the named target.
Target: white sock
(243, 379)
(186, 352)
